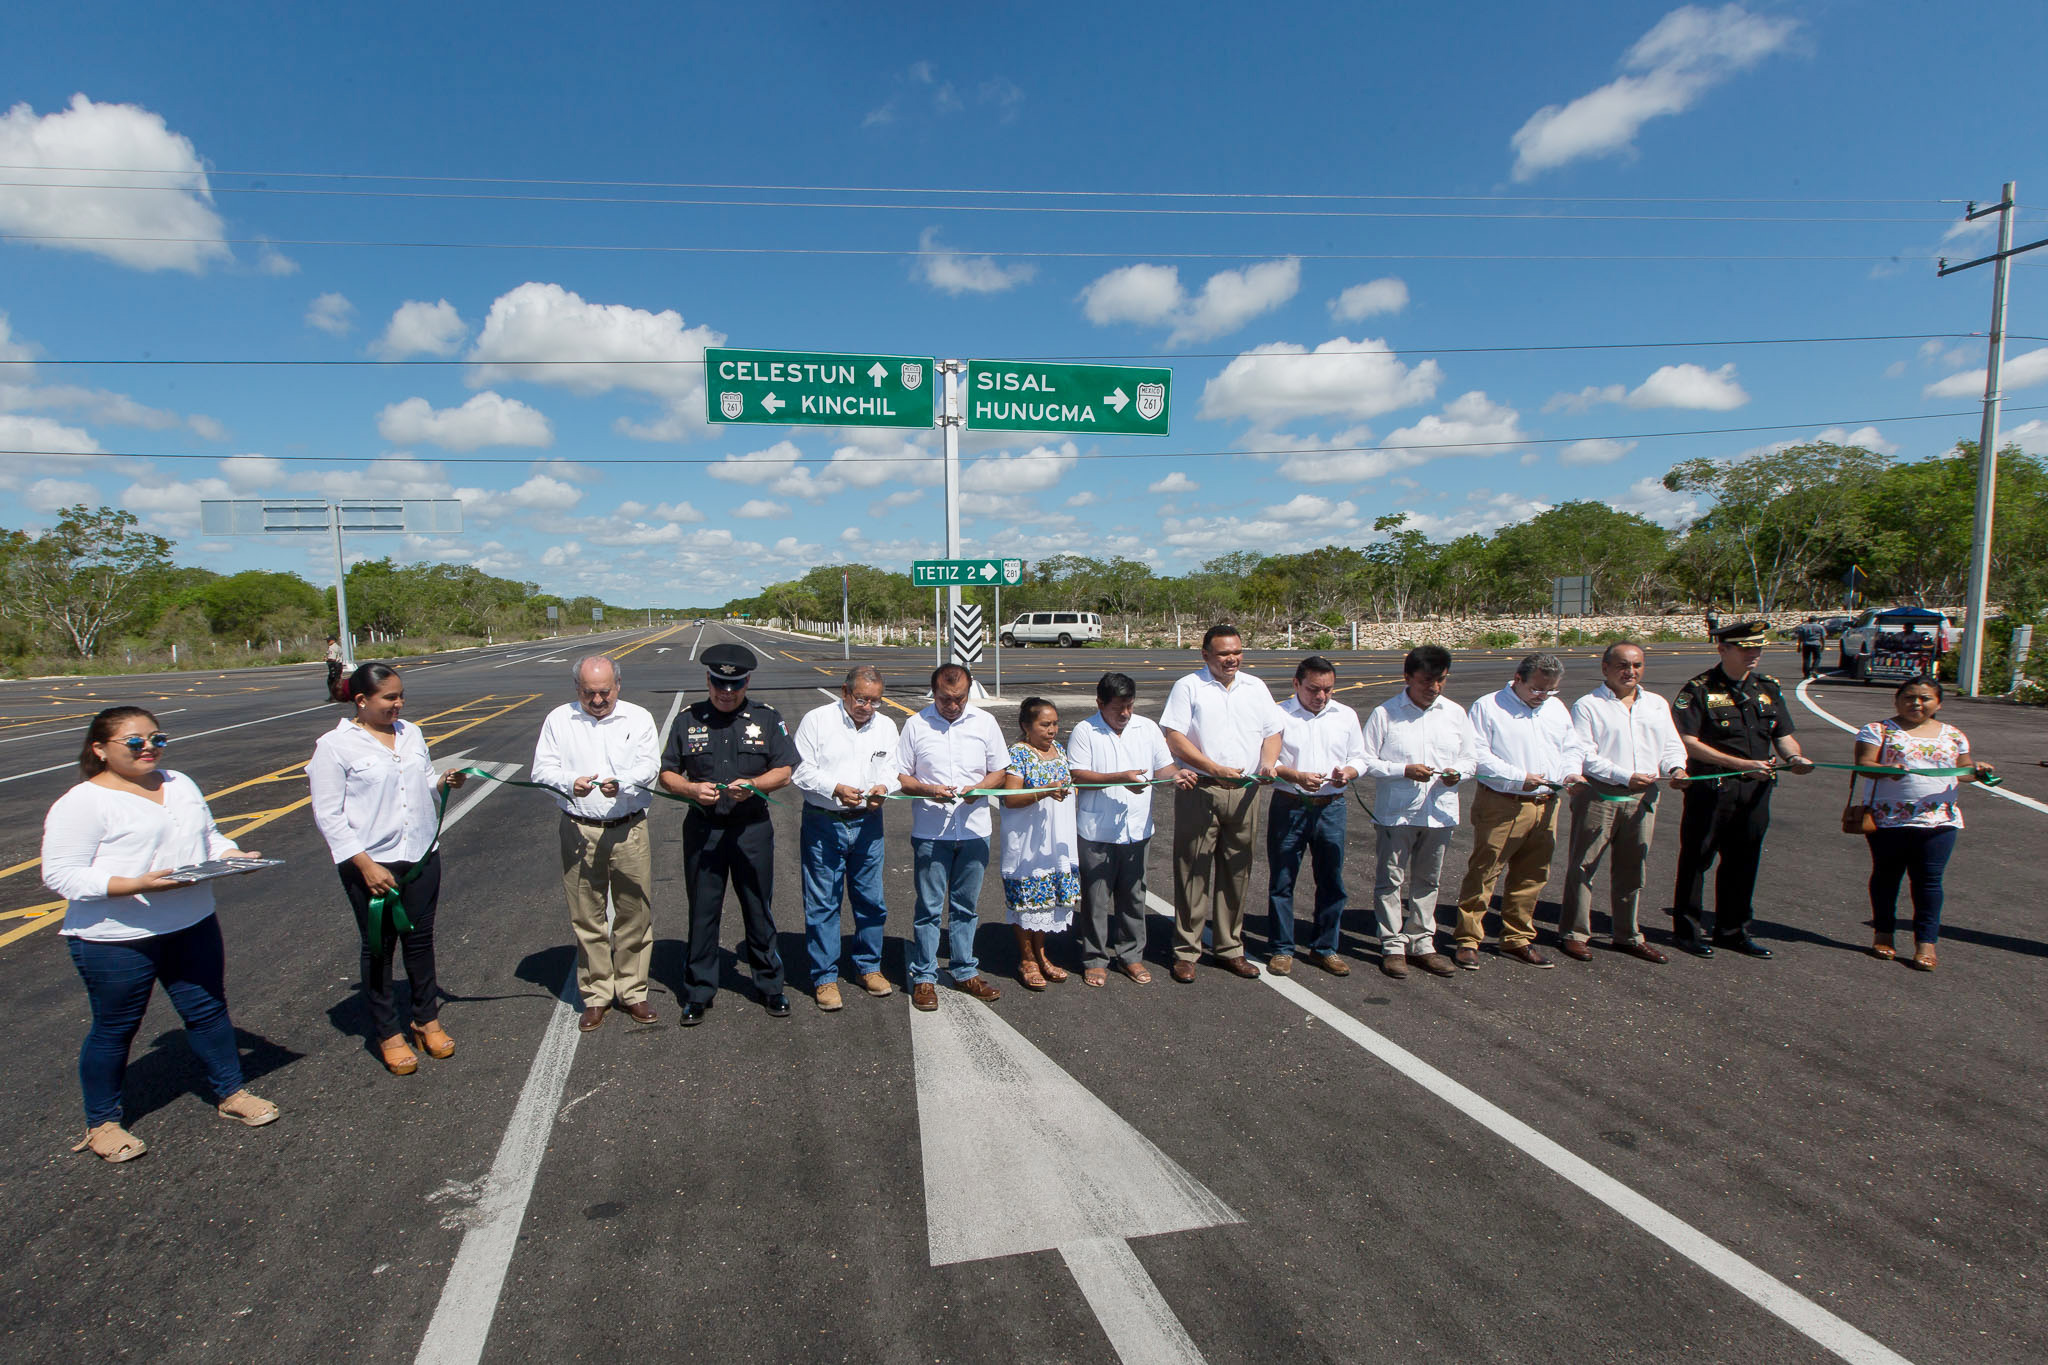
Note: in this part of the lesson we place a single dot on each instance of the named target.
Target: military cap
(1747, 634)
(730, 663)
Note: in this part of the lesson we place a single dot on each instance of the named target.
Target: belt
(1307, 800)
(589, 823)
(840, 813)
(1517, 796)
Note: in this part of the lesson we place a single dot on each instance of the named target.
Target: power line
(1439, 446)
(1262, 357)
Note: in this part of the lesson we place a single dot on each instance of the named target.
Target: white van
(1053, 628)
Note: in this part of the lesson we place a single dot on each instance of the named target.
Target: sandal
(111, 1142)
(1881, 946)
(433, 1040)
(1923, 958)
(398, 1059)
(247, 1108)
(1028, 973)
(1095, 976)
(1136, 971)
(1053, 974)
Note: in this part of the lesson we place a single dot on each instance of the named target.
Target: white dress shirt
(1516, 739)
(1397, 733)
(370, 799)
(833, 752)
(94, 834)
(1117, 815)
(573, 743)
(1319, 742)
(1621, 740)
(951, 754)
(1228, 724)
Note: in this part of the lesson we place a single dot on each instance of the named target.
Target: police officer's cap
(730, 663)
(1746, 634)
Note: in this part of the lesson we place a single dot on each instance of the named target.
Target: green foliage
(1494, 639)
(84, 576)
(1574, 636)
(1323, 642)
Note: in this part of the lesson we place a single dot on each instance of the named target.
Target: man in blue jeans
(1322, 751)
(846, 768)
(946, 749)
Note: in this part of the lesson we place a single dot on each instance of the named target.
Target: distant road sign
(1571, 596)
(967, 634)
(1014, 395)
(817, 389)
(967, 573)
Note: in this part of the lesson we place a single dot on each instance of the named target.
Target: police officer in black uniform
(1732, 720)
(717, 744)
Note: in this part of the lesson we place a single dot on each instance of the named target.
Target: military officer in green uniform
(716, 746)
(1732, 720)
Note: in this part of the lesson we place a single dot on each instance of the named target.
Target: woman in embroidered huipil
(1041, 862)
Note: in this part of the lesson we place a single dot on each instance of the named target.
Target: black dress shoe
(1698, 947)
(778, 1005)
(693, 1014)
(1745, 945)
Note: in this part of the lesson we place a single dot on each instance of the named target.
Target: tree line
(1782, 530)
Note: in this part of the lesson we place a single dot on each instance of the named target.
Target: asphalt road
(1802, 1159)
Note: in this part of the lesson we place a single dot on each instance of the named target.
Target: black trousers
(419, 897)
(1809, 660)
(718, 852)
(1724, 820)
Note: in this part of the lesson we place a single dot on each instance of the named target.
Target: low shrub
(1494, 639)
(1323, 641)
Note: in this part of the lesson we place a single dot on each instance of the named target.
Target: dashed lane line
(1751, 1281)
(1810, 704)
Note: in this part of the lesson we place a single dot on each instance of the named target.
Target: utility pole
(846, 612)
(1970, 662)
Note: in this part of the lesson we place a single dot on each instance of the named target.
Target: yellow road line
(637, 644)
(25, 930)
(789, 656)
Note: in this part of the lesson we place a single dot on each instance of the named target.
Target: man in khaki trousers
(1528, 753)
(1221, 724)
(603, 757)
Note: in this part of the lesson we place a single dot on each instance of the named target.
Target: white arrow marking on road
(995, 1113)
(1116, 400)
(662, 650)
(878, 372)
(770, 403)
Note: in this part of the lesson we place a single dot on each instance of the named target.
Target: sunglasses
(136, 743)
(723, 685)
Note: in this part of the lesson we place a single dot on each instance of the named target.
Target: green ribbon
(1872, 770)
(386, 902)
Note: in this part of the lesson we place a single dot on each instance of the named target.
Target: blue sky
(1266, 200)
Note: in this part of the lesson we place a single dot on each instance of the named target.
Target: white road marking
(993, 1112)
(694, 643)
(200, 735)
(1747, 1279)
(74, 729)
(1810, 704)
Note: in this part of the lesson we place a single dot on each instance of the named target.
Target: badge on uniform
(753, 732)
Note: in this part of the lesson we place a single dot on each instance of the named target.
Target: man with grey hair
(1528, 751)
(846, 768)
(602, 756)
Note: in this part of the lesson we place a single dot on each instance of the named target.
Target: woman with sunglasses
(374, 801)
(110, 845)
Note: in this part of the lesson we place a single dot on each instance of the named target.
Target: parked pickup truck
(1053, 628)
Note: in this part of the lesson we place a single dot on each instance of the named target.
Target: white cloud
(677, 511)
(1176, 482)
(247, 473)
(1309, 507)
(1689, 386)
(1870, 438)
(2031, 437)
(122, 222)
(1303, 519)
(419, 328)
(53, 495)
(1471, 424)
(1034, 471)
(759, 466)
(332, 314)
(951, 273)
(1483, 512)
(1151, 295)
(1649, 498)
(1087, 497)
(207, 428)
(1597, 450)
(1689, 52)
(540, 493)
(1895, 369)
(2019, 372)
(171, 506)
(487, 419)
(555, 556)
(760, 509)
(43, 436)
(1361, 301)
(271, 261)
(1341, 378)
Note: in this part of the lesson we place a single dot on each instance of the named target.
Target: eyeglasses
(136, 743)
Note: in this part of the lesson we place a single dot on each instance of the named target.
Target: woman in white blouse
(374, 801)
(110, 845)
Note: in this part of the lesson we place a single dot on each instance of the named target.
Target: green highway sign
(1015, 395)
(808, 388)
(966, 573)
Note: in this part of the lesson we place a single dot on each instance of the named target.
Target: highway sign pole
(996, 639)
(348, 650)
(949, 422)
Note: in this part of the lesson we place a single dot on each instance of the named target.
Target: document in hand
(222, 867)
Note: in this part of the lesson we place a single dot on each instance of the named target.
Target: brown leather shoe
(1281, 964)
(593, 1018)
(1394, 965)
(398, 1059)
(1526, 952)
(1574, 949)
(1468, 958)
(1243, 966)
(1436, 964)
(877, 985)
(1183, 972)
(1331, 963)
(828, 999)
(924, 996)
(1645, 951)
(640, 1012)
(980, 987)
(433, 1040)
